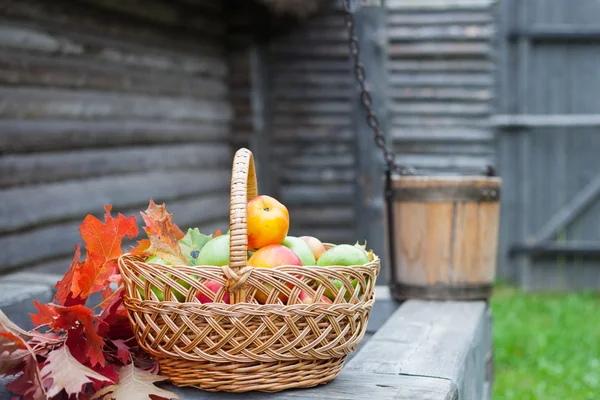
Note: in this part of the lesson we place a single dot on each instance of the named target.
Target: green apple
(215, 252)
(301, 249)
(343, 254)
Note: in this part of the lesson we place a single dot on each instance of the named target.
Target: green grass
(546, 346)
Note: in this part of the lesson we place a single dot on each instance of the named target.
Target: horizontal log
(26, 103)
(22, 208)
(440, 134)
(37, 246)
(319, 176)
(56, 166)
(295, 134)
(18, 69)
(311, 107)
(102, 51)
(450, 16)
(315, 65)
(326, 50)
(321, 216)
(100, 29)
(449, 79)
(22, 136)
(312, 149)
(303, 93)
(314, 35)
(441, 108)
(441, 32)
(286, 121)
(165, 13)
(443, 93)
(441, 65)
(310, 194)
(317, 162)
(437, 49)
(323, 80)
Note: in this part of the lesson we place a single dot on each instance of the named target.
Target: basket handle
(243, 189)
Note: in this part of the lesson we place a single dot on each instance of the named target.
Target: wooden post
(370, 168)
(260, 141)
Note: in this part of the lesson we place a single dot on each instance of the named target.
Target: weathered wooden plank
(445, 134)
(316, 106)
(446, 79)
(329, 50)
(293, 121)
(314, 162)
(441, 108)
(480, 95)
(437, 4)
(347, 386)
(321, 65)
(444, 148)
(300, 79)
(450, 16)
(331, 175)
(439, 121)
(437, 49)
(18, 136)
(81, 31)
(445, 161)
(312, 134)
(313, 93)
(321, 216)
(317, 194)
(26, 103)
(207, 212)
(450, 65)
(33, 70)
(161, 12)
(49, 167)
(25, 207)
(442, 32)
(546, 121)
(434, 339)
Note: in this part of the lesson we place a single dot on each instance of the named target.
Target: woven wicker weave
(246, 345)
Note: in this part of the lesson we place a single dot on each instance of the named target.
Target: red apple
(272, 256)
(213, 286)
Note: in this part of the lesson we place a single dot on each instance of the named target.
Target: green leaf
(192, 243)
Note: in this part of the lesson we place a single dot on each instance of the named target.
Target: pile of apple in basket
(269, 246)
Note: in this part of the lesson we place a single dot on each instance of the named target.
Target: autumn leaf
(141, 248)
(163, 234)
(123, 351)
(217, 233)
(135, 384)
(69, 318)
(29, 383)
(192, 243)
(67, 373)
(106, 238)
(64, 296)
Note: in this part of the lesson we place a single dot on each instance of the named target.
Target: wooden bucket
(445, 237)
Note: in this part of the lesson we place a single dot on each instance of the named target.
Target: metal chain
(365, 96)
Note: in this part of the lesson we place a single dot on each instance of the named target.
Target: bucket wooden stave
(445, 237)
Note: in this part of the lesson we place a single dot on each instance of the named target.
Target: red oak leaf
(163, 234)
(93, 275)
(106, 238)
(123, 351)
(46, 314)
(64, 295)
(69, 319)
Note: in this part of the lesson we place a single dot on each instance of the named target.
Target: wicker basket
(245, 345)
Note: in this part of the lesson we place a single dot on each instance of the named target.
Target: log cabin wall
(441, 65)
(109, 102)
(312, 141)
